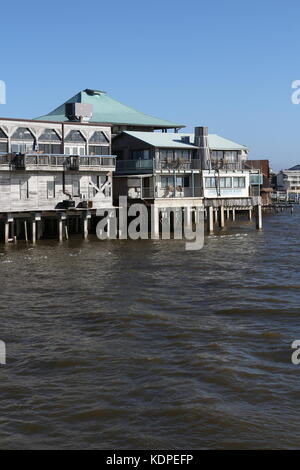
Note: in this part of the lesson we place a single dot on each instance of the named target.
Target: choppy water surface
(123, 345)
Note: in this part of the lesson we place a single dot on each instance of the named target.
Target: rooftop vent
(186, 139)
(94, 92)
(81, 112)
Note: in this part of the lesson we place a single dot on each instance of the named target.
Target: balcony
(216, 165)
(135, 166)
(57, 162)
(178, 164)
(148, 166)
(170, 192)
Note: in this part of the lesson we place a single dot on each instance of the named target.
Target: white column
(33, 231)
(259, 217)
(85, 228)
(155, 222)
(210, 218)
(222, 219)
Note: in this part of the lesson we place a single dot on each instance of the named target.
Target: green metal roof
(173, 140)
(108, 110)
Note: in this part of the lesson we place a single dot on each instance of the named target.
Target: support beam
(210, 219)
(33, 229)
(25, 231)
(222, 218)
(85, 228)
(233, 214)
(6, 232)
(216, 215)
(250, 214)
(60, 230)
(258, 217)
(188, 216)
(155, 222)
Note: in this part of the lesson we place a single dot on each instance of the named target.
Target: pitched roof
(173, 140)
(108, 110)
(294, 168)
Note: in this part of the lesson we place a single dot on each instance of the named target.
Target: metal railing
(224, 165)
(57, 160)
(178, 164)
(134, 165)
(171, 192)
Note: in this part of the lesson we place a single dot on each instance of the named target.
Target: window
(24, 189)
(183, 181)
(2, 135)
(217, 154)
(225, 182)
(22, 148)
(210, 182)
(51, 189)
(99, 150)
(22, 133)
(50, 148)
(99, 138)
(75, 136)
(167, 181)
(231, 156)
(239, 182)
(3, 147)
(79, 150)
(22, 141)
(141, 154)
(49, 135)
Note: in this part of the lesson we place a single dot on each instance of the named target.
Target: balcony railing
(178, 164)
(134, 165)
(148, 166)
(224, 165)
(170, 192)
(69, 162)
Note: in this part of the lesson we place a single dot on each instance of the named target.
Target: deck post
(33, 229)
(250, 214)
(233, 214)
(6, 232)
(155, 222)
(210, 219)
(258, 217)
(188, 216)
(216, 215)
(227, 213)
(60, 230)
(85, 228)
(222, 219)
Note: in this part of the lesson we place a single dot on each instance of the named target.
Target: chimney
(201, 141)
(81, 112)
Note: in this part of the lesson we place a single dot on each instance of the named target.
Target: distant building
(289, 180)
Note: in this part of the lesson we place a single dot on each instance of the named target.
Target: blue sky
(225, 64)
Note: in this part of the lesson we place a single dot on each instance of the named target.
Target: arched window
(99, 138)
(95, 147)
(49, 135)
(22, 133)
(3, 142)
(49, 142)
(75, 136)
(22, 141)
